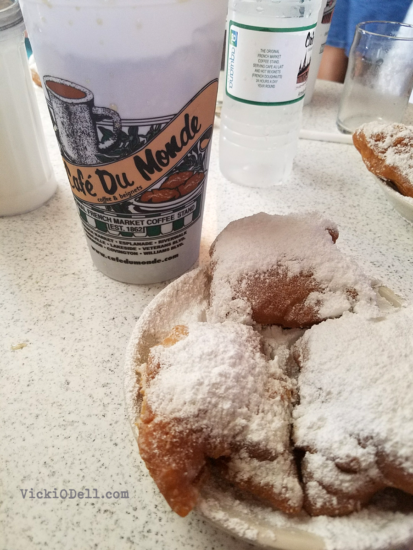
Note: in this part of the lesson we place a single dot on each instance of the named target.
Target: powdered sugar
(355, 388)
(378, 527)
(355, 417)
(183, 301)
(215, 379)
(276, 473)
(217, 382)
(277, 346)
(297, 244)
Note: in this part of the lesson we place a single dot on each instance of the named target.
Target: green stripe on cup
(154, 231)
(178, 224)
(197, 210)
(102, 226)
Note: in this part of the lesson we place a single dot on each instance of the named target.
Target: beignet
(209, 392)
(355, 417)
(387, 151)
(283, 270)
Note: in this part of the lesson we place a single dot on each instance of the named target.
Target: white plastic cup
(131, 86)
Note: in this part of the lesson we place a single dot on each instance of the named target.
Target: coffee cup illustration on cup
(75, 116)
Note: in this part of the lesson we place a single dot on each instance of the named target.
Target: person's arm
(333, 64)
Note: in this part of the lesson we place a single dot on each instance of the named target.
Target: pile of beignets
(322, 426)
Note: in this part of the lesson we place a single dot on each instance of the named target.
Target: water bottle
(268, 54)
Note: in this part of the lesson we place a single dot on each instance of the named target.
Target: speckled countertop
(63, 421)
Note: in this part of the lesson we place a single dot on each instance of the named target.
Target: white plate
(403, 205)
(374, 528)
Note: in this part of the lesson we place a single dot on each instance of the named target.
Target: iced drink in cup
(131, 87)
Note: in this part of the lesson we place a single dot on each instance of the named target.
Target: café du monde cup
(131, 88)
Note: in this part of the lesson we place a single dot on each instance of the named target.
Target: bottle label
(268, 66)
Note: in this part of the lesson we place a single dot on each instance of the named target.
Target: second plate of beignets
(283, 270)
(209, 392)
(355, 417)
(387, 151)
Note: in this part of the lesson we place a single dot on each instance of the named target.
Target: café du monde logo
(233, 40)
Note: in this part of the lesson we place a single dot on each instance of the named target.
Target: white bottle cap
(10, 14)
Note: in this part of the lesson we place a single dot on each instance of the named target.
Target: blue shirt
(348, 13)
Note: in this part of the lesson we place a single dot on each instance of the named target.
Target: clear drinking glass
(379, 78)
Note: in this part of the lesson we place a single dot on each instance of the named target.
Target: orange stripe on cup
(121, 180)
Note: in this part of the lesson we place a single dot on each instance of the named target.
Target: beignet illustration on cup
(174, 187)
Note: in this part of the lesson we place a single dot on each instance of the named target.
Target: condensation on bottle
(268, 53)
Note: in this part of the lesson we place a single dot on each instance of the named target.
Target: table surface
(64, 330)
